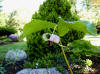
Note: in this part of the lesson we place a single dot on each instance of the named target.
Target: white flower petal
(54, 38)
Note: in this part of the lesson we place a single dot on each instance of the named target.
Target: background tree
(52, 9)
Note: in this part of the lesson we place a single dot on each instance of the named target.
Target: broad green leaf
(91, 29)
(37, 25)
(79, 26)
(62, 28)
(65, 26)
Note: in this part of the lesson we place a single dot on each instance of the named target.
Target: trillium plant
(62, 28)
(56, 39)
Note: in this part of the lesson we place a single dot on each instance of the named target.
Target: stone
(25, 71)
(15, 55)
(14, 61)
(40, 71)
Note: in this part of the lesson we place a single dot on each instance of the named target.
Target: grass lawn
(13, 46)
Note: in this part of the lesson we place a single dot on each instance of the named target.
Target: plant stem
(64, 53)
(66, 59)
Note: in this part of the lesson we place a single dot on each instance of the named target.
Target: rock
(24, 71)
(40, 71)
(15, 55)
(14, 61)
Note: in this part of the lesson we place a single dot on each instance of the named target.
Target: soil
(96, 65)
(12, 68)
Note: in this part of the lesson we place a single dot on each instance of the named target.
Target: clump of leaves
(50, 60)
(88, 62)
(7, 30)
(84, 48)
(63, 27)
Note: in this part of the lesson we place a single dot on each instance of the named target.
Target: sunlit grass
(13, 46)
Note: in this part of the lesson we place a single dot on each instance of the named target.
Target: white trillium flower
(53, 37)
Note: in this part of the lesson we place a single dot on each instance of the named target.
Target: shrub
(71, 36)
(38, 48)
(52, 9)
(7, 30)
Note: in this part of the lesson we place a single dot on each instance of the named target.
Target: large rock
(24, 71)
(14, 61)
(40, 71)
(15, 55)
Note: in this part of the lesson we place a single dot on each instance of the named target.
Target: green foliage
(5, 39)
(21, 37)
(63, 27)
(28, 65)
(69, 31)
(51, 60)
(37, 25)
(5, 48)
(83, 48)
(52, 9)
(2, 70)
(7, 30)
(38, 48)
(88, 62)
(33, 40)
(71, 36)
(11, 21)
(61, 69)
(90, 27)
(8, 19)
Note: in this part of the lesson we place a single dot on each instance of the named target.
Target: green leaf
(37, 25)
(62, 28)
(79, 26)
(91, 29)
